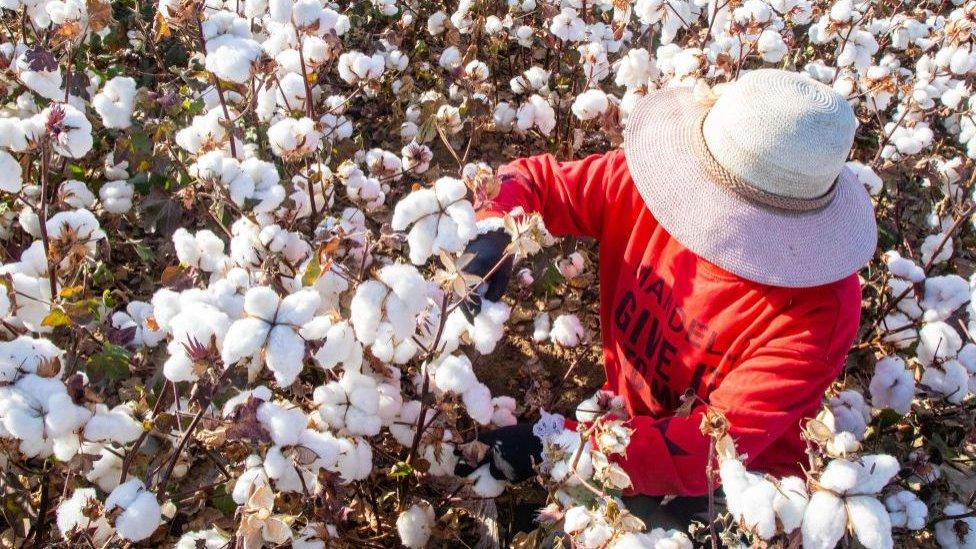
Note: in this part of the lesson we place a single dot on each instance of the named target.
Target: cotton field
(233, 240)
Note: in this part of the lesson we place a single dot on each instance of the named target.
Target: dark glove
(487, 250)
(512, 453)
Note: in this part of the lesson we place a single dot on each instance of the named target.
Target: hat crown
(781, 132)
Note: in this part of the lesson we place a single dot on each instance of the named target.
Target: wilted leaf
(56, 318)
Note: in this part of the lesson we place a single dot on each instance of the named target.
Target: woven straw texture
(757, 242)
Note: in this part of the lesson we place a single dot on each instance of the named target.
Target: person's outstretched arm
(571, 197)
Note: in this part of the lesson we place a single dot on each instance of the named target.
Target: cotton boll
(455, 374)
(292, 138)
(870, 522)
(536, 112)
(849, 413)
(414, 525)
(106, 470)
(253, 477)
(477, 402)
(485, 485)
(140, 512)
(937, 341)
(284, 424)
(949, 380)
(892, 386)
(71, 516)
(10, 173)
(541, 327)
(824, 521)
(957, 533)
(790, 502)
(116, 425)
(489, 326)
(902, 267)
(74, 132)
(771, 46)
(943, 296)
(899, 330)
(590, 104)
(567, 330)
(872, 182)
(115, 102)
(355, 459)
(504, 411)
(116, 196)
(202, 539)
(875, 472)
(906, 510)
(931, 244)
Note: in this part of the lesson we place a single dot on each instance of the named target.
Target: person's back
(730, 235)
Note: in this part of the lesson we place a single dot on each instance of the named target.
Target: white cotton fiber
(414, 525)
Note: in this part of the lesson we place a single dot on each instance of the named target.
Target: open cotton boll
(340, 347)
(414, 525)
(931, 244)
(873, 183)
(504, 411)
(115, 425)
(590, 104)
(956, 533)
(949, 380)
(72, 192)
(870, 522)
(72, 516)
(202, 539)
(292, 138)
(11, 179)
(893, 385)
(355, 66)
(750, 498)
(658, 538)
(536, 112)
(253, 477)
(902, 267)
(937, 341)
(441, 217)
(116, 196)
(455, 374)
(906, 510)
(140, 512)
(355, 459)
(284, 423)
(72, 131)
(572, 265)
(115, 102)
(485, 485)
(849, 412)
(477, 402)
(943, 296)
(567, 330)
(824, 521)
(106, 471)
(541, 327)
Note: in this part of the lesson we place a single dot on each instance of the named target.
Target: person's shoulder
(832, 302)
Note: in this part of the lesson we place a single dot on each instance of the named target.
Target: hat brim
(756, 242)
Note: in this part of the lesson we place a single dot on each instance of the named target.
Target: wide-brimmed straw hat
(755, 181)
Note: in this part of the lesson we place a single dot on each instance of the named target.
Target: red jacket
(671, 321)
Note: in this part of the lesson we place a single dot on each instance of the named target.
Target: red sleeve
(767, 394)
(571, 197)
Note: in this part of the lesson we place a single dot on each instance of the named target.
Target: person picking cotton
(730, 236)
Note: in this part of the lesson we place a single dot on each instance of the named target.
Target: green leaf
(400, 469)
(223, 501)
(111, 363)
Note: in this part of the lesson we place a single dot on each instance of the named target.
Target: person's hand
(512, 453)
(486, 250)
